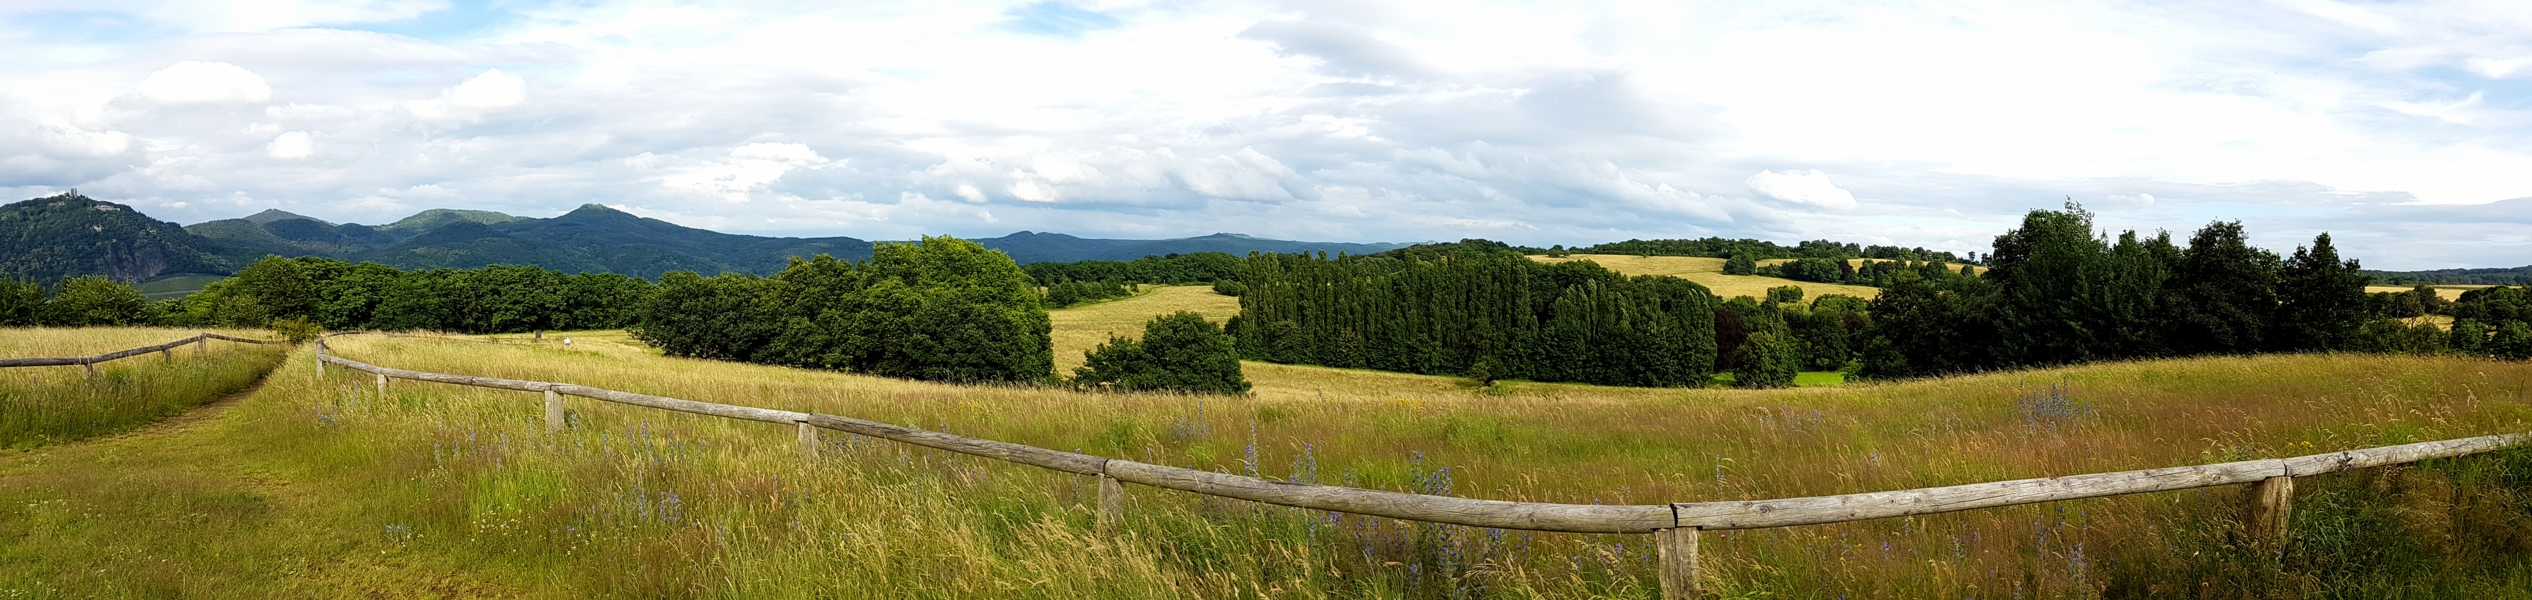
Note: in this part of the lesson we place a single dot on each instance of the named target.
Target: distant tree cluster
(1173, 269)
(88, 301)
(944, 309)
(2495, 276)
(1179, 352)
(1875, 273)
(1461, 309)
(2057, 294)
(2494, 321)
(1757, 250)
(1069, 293)
(342, 296)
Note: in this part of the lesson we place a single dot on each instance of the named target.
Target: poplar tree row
(1482, 312)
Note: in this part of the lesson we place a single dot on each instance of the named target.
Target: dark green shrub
(1180, 352)
(1229, 287)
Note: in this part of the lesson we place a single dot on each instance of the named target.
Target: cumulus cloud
(198, 82)
(291, 146)
(1810, 187)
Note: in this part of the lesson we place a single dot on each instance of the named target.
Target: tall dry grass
(50, 405)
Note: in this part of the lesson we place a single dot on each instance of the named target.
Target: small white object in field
(566, 341)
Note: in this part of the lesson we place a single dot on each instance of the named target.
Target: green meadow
(322, 486)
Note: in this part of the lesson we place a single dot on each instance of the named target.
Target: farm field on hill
(318, 485)
(1709, 272)
(1081, 328)
(2448, 292)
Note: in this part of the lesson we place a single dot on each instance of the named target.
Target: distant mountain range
(49, 238)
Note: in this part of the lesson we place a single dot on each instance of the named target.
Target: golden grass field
(318, 486)
(1081, 328)
(2448, 292)
(1709, 272)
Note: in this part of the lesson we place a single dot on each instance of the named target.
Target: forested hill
(1030, 247)
(590, 239)
(2514, 276)
(45, 239)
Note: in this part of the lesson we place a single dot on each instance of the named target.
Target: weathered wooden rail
(1675, 526)
(166, 351)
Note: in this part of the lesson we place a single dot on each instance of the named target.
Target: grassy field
(176, 286)
(50, 405)
(1709, 272)
(318, 486)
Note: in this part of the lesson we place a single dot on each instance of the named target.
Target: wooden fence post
(201, 346)
(553, 411)
(1679, 562)
(92, 370)
(2271, 500)
(808, 440)
(1111, 502)
(382, 387)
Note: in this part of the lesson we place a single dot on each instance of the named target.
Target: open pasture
(1709, 272)
(320, 484)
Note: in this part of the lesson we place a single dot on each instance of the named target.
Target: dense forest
(1486, 314)
(943, 309)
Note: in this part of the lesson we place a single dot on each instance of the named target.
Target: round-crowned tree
(1179, 352)
(1768, 359)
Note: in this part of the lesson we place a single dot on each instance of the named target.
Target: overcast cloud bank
(2401, 128)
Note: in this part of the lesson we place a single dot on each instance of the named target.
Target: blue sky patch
(1057, 19)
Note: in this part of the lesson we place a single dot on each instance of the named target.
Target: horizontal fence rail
(1675, 525)
(91, 361)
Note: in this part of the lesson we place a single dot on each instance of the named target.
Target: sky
(2402, 129)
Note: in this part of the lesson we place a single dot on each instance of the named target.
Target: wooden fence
(1675, 526)
(166, 351)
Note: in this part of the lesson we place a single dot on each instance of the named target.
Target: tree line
(1484, 312)
(1172, 269)
(2057, 293)
(343, 296)
(1873, 273)
(1756, 250)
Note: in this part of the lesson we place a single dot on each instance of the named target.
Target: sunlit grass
(319, 485)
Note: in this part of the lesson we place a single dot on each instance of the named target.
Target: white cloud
(291, 146)
(197, 82)
(490, 91)
(749, 168)
(1806, 187)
